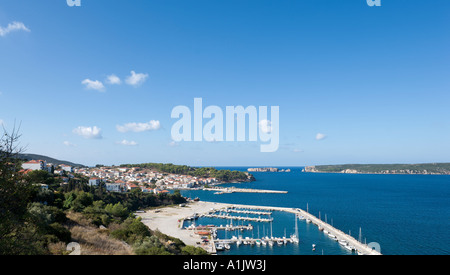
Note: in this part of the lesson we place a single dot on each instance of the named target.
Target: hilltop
(417, 169)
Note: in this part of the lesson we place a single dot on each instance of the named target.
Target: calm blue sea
(405, 214)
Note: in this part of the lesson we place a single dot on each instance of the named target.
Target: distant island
(268, 169)
(407, 169)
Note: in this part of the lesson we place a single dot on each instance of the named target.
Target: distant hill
(420, 169)
(28, 157)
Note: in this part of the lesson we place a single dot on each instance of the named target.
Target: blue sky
(374, 81)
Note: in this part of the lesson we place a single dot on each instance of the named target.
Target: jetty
(238, 218)
(248, 212)
(230, 190)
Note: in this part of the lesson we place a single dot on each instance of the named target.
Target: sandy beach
(168, 220)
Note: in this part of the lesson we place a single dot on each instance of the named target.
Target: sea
(404, 214)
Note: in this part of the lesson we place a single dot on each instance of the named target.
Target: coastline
(169, 220)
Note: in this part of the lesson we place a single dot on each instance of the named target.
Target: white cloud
(265, 126)
(296, 150)
(14, 26)
(127, 143)
(320, 136)
(113, 80)
(139, 127)
(69, 144)
(93, 85)
(136, 79)
(88, 132)
(2, 122)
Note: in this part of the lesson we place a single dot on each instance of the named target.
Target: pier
(237, 218)
(249, 212)
(243, 190)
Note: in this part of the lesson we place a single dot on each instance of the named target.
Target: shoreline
(169, 220)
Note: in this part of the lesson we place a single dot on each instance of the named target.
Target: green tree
(15, 194)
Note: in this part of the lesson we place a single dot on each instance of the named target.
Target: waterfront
(405, 214)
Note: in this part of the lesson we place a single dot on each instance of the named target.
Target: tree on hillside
(15, 194)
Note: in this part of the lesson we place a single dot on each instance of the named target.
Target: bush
(62, 233)
(191, 250)
(150, 246)
(78, 201)
(131, 230)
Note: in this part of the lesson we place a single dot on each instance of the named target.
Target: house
(94, 181)
(131, 186)
(35, 165)
(114, 187)
(67, 168)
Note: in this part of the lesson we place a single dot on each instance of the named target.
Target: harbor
(181, 222)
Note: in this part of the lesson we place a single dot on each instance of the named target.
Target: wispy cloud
(136, 79)
(69, 144)
(88, 132)
(113, 80)
(2, 123)
(139, 127)
(12, 27)
(93, 85)
(321, 136)
(127, 143)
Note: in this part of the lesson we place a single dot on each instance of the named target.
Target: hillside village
(122, 179)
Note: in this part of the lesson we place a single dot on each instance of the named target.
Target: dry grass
(94, 241)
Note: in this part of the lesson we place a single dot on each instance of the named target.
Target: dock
(249, 212)
(243, 190)
(238, 218)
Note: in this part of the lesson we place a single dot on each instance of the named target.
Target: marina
(209, 234)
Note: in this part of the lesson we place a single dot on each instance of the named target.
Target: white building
(35, 165)
(66, 168)
(114, 187)
(94, 181)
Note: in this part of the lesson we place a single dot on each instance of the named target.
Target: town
(123, 179)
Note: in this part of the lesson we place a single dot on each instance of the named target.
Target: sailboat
(294, 237)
